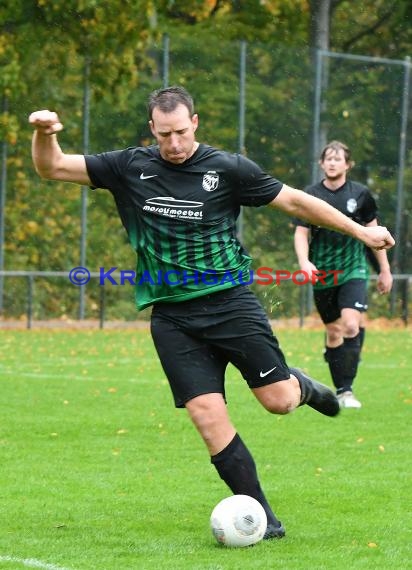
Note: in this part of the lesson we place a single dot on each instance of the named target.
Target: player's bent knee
(279, 398)
(282, 407)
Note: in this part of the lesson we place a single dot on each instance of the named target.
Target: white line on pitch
(32, 563)
(84, 378)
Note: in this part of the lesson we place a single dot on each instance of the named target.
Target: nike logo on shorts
(263, 374)
(143, 177)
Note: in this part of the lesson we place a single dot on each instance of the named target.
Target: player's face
(334, 164)
(174, 133)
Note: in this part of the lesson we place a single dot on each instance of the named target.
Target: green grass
(100, 472)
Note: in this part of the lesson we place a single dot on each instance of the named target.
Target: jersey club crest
(210, 181)
(351, 205)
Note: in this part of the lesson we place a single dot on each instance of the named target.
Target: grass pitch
(100, 472)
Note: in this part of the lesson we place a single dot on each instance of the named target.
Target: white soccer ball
(238, 520)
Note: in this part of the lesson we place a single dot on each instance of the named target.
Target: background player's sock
(362, 333)
(335, 358)
(350, 361)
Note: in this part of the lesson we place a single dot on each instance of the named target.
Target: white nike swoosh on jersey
(359, 305)
(263, 374)
(143, 177)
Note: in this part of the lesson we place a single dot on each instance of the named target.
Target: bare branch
(369, 30)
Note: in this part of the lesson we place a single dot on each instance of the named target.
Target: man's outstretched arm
(49, 160)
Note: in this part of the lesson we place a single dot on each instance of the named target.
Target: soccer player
(179, 200)
(341, 301)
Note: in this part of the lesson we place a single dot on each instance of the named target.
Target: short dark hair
(168, 98)
(336, 146)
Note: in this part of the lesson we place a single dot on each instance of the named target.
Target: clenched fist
(46, 122)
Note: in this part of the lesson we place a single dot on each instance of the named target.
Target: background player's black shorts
(350, 295)
(196, 340)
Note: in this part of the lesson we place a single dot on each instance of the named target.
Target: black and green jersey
(331, 251)
(181, 219)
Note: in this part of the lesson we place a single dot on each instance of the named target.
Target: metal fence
(31, 312)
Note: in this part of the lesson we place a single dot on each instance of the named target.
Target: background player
(341, 304)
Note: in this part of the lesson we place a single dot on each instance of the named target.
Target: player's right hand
(378, 237)
(310, 269)
(46, 122)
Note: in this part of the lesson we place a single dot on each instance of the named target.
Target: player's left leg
(229, 454)
(195, 370)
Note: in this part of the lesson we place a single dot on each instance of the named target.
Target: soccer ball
(238, 520)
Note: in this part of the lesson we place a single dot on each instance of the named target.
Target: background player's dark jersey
(333, 251)
(181, 219)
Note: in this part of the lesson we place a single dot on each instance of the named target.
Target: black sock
(237, 468)
(314, 394)
(305, 384)
(351, 360)
(362, 332)
(335, 358)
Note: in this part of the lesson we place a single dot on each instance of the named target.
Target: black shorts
(196, 340)
(350, 295)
